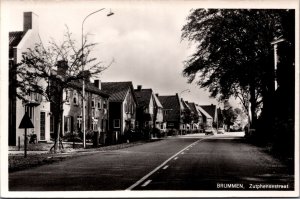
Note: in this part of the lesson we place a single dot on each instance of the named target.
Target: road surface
(191, 162)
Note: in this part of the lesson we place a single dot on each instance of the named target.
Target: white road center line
(160, 166)
(146, 183)
(165, 167)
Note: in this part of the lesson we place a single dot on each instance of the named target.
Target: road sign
(26, 122)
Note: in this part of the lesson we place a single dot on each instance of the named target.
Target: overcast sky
(144, 38)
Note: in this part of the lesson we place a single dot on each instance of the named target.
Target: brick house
(149, 110)
(213, 112)
(96, 108)
(172, 110)
(207, 119)
(122, 108)
(197, 117)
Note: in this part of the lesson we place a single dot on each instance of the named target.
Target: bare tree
(48, 70)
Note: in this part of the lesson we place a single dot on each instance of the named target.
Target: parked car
(221, 131)
(209, 130)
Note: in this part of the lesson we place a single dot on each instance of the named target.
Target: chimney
(97, 83)
(30, 21)
(62, 67)
(139, 87)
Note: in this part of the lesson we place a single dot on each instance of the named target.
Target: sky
(142, 37)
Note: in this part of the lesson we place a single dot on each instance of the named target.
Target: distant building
(122, 107)
(196, 116)
(212, 111)
(36, 106)
(96, 108)
(207, 119)
(172, 108)
(149, 110)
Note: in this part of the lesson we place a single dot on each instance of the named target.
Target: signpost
(25, 123)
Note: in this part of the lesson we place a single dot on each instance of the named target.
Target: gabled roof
(185, 104)
(158, 103)
(171, 103)
(201, 110)
(117, 90)
(14, 39)
(88, 87)
(192, 107)
(210, 109)
(143, 96)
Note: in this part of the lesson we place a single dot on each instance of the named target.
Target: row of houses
(114, 108)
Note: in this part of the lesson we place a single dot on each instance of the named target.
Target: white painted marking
(182, 153)
(175, 158)
(165, 167)
(157, 168)
(146, 183)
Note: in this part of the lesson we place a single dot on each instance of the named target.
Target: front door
(42, 125)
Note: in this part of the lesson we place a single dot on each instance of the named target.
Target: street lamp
(83, 83)
(275, 44)
(186, 90)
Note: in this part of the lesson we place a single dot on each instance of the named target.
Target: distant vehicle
(209, 130)
(221, 131)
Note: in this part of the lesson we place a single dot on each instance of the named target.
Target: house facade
(96, 109)
(207, 119)
(36, 106)
(197, 123)
(159, 117)
(172, 111)
(213, 112)
(149, 110)
(122, 108)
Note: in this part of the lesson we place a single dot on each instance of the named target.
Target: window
(137, 124)
(116, 123)
(79, 120)
(93, 102)
(99, 104)
(51, 124)
(75, 98)
(171, 124)
(94, 126)
(30, 111)
(104, 104)
(67, 98)
(93, 113)
(67, 126)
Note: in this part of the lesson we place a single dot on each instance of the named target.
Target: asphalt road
(193, 162)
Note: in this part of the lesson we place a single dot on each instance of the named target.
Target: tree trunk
(253, 107)
(58, 114)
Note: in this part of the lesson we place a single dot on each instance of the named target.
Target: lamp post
(275, 44)
(186, 90)
(83, 82)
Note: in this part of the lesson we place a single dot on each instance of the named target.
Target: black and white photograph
(150, 98)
